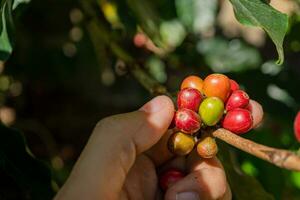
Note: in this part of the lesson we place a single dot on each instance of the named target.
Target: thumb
(111, 151)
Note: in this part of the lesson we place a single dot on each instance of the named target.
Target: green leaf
(5, 42)
(7, 26)
(259, 13)
(29, 174)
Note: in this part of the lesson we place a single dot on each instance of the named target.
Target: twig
(279, 157)
(100, 34)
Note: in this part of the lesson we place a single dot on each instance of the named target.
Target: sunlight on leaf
(258, 13)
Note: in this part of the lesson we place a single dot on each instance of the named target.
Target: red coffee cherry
(238, 121)
(207, 147)
(234, 85)
(257, 112)
(187, 121)
(238, 99)
(192, 82)
(170, 177)
(189, 98)
(217, 85)
(297, 126)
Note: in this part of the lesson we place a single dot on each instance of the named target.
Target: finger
(206, 180)
(160, 153)
(114, 145)
(176, 163)
(257, 113)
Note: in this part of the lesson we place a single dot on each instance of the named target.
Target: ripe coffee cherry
(189, 98)
(187, 121)
(238, 121)
(211, 110)
(238, 99)
(181, 144)
(217, 85)
(297, 126)
(170, 177)
(192, 82)
(207, 147)
(256, 112)
(234, 85)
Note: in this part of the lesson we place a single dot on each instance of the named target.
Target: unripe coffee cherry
(217, 85)
(238, 121)
(181, 144)
(211, 110)
(170, 177)
(192, 82)
(297, 126)
(189, 98)
(238, 99)
(256, 112)
(234, 85)
(207, 147)
(187, 121)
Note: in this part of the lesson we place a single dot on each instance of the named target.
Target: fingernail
(187, 196)
(155, 105)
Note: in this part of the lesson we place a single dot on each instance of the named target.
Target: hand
(122, 155)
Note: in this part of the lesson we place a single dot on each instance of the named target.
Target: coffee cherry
(238, 99)
(217, 85)
(234, 85)
(297, 126)
(192, 82)
(207, 147)
(181, 144)
(256, 112)
(211, 110)
(139, 40)
(187, 121)
(189, 98)
(170, 177)
(238, 121)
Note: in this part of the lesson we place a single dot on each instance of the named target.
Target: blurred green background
(62, 77)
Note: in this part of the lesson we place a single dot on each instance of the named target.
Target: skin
(124, 154)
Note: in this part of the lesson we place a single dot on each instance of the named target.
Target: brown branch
(279, 157)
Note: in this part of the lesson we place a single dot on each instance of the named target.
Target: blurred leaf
(7, 26)
(156, 68)
(295, 176)
(259, 13)
(6, 23)
(172, 33)
(244, 187)
(31, 175)
(197, 15)
(224, 56)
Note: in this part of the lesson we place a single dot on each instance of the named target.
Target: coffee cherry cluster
(202, 105)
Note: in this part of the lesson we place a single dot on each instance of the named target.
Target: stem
(279, 157)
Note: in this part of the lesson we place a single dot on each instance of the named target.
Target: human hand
(124, 152)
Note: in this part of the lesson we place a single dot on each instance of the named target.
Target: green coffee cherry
(211, 110)
(181, 144)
